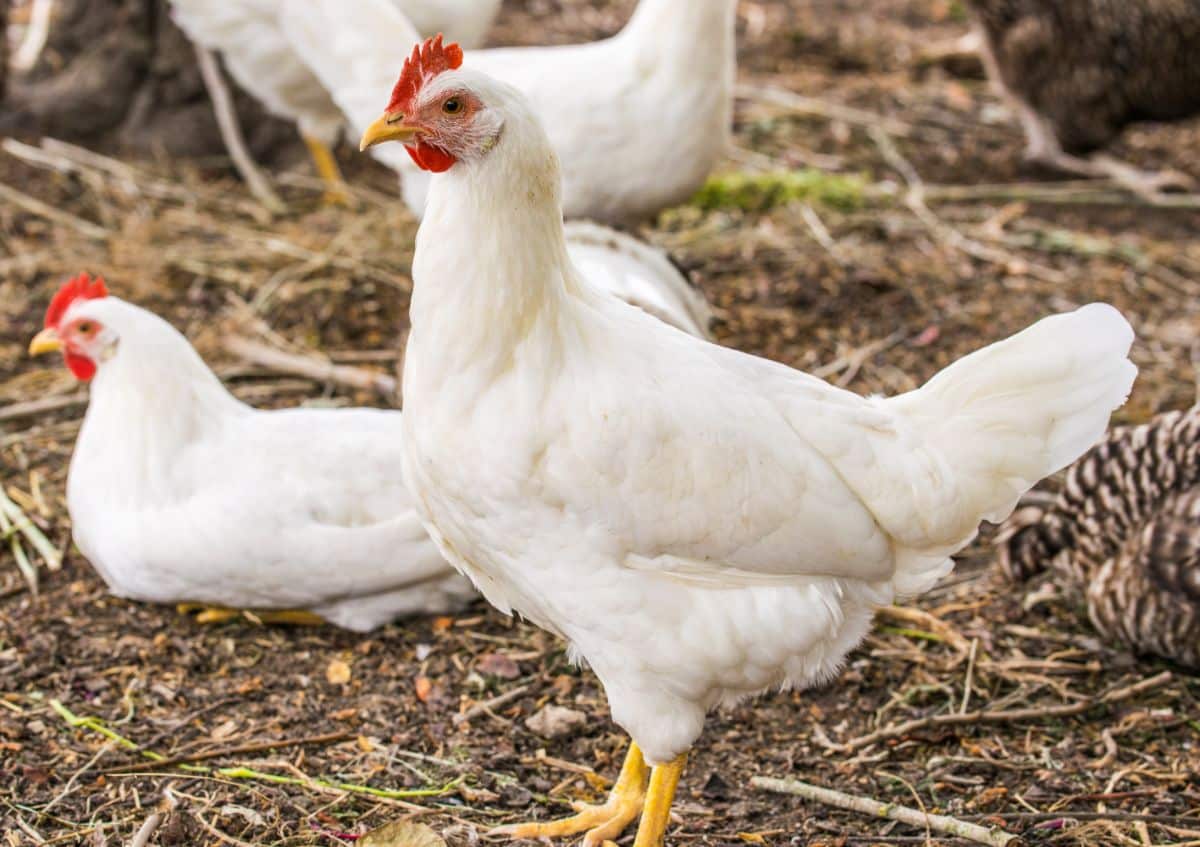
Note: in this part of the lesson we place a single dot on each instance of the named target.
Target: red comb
(82, 287)
(427, 61)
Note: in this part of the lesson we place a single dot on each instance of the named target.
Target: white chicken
(178, 492)
(249, 36)
(699, 524)
(638, 120)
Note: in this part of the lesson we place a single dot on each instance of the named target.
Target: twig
(23, 524)
(28, 571)
(486, 706)
(914, 199)
(785, 99)
(231, 133)
(45, 210)
(1068, 193)
(32, 408)
(820, 233)
(1031, 713)
(218, 834)
(256, 747)
(891, 811)
(142, 838)
(966, 700)
(313, 367)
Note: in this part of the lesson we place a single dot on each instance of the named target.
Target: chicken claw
(603, 823)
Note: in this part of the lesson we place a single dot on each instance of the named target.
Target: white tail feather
(1016, 411)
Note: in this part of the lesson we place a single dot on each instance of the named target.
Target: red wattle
(83, 367)
(429, 157)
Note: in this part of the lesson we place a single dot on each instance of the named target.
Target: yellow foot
(336, 193)
(219, 614)
(600, 823)
(652, 829)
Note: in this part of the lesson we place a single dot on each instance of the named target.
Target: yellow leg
(657, 813)
(601, 823)
(327, 169)
(219, 614)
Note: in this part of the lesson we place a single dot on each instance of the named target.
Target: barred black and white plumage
(1124, 533)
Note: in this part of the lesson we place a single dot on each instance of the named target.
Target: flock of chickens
(699, 524)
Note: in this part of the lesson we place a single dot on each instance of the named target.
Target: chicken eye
(84, 328)
(452, 106)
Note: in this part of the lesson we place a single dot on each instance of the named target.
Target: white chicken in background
(180, 493)
(700, 525)
(638, 120)
(464, 21)
(249, 36)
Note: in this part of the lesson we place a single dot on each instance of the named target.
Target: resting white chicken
(638, 120)
(178, 492)
(700, 524)
(249, 36)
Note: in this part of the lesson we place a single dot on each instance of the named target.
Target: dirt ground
(840, 277)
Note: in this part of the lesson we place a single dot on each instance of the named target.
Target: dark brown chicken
(1079, 71)
(1124, 534)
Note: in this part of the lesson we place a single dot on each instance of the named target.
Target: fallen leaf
(338, 672)
(424, 688)
(552, 721)
(35, 775)
(497, 664)
(928, 335)
(365, 744)
(402, 834)
(345, 714)
(442, 624)
(224, 730)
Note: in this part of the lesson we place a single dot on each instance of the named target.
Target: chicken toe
(601, 824)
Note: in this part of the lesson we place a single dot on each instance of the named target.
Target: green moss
(758, 192)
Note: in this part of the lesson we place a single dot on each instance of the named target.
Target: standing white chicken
(700, 524)
(249, 36)
(638, 120)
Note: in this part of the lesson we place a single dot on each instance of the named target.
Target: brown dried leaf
(498, 664)
(402, 834)
(424, 688)
(338, 672)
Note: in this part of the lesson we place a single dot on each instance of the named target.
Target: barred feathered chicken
(1079, 71)
(1124, 534)
(699, 524)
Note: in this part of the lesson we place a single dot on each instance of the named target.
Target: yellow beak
(46, 341)
(387, 128)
